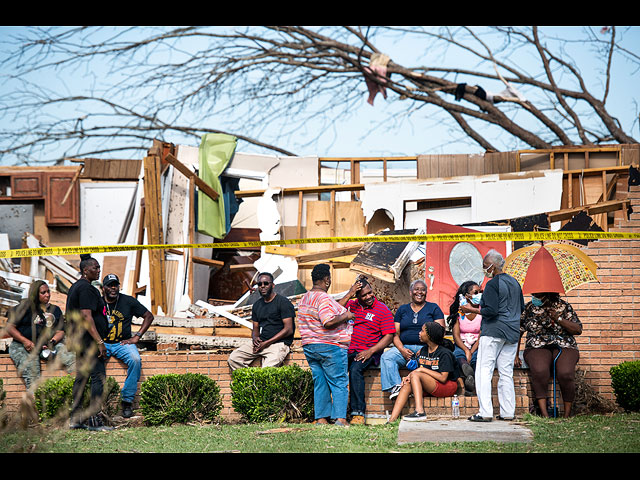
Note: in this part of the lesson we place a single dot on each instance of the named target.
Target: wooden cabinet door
(27, 185)
(57, 213)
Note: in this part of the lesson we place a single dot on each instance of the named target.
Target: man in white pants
(501, 306)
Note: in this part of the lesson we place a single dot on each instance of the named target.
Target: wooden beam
(153, 216)
(210, 192)
(326, 254)
(288, 251)
(207, 261)
(592, 209)
(73, 182)
(192, 230)
(242, 267)
(331, 263)
(304, 190)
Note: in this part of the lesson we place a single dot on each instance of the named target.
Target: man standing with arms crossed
(273, 327)
(120, 310)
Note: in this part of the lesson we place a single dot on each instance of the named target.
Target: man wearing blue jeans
(121, 309)
(328, 364)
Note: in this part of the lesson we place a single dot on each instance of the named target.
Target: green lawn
(619, 433)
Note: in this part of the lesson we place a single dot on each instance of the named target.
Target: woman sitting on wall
(436, 375)
(409, 319)
(464, 321)
(37, 329)
(550, 324)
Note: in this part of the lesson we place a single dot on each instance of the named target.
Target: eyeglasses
(263, 284)
(415, 317)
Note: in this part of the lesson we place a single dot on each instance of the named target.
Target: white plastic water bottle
(455, 407)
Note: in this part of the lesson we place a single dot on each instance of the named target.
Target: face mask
(486, 273)
(536, 302)
(475, 298)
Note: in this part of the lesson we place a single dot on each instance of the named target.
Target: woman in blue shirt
(409, 320)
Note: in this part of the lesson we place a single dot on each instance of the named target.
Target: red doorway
(448, 264)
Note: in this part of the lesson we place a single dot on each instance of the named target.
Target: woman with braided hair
(436, 375)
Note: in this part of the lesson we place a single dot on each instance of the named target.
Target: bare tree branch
(128, 86)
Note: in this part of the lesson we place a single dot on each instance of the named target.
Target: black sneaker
(415, 417)
(127, 411)
(394, 392)
(95, 424)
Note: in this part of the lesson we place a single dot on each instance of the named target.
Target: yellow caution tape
(436, 237)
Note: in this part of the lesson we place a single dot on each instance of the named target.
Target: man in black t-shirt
(273, 327)
(121, 309)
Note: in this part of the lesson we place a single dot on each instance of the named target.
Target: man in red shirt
(373, 330)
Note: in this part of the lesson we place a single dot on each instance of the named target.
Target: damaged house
(202, 297)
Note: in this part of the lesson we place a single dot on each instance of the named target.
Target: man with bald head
(501, 305)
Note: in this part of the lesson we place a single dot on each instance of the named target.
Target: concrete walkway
(462, 430)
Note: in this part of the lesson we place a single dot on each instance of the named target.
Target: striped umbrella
(553, 267)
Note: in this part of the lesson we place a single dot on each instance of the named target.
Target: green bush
(56, 393)
(2, 392)
(179, 398)
(625, 381)
(272, 393)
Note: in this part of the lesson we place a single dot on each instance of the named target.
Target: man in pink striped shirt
(373, 331)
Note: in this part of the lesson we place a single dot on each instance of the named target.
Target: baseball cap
(111, 278)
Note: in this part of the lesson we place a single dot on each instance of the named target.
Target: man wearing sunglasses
(273, 327)
(119, 342)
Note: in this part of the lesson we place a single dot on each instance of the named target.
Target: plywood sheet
(114, 264)
(348, 220)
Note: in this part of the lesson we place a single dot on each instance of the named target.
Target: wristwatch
(137, 334)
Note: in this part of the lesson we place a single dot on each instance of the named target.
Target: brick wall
(215, 366)
(609, 311)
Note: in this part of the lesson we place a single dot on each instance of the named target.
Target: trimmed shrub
(55, 393)
(179, 398)
(273, 393)
(625, 381)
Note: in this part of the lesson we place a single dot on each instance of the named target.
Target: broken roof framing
(285, 198)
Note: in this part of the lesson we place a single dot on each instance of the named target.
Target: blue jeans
(461, 357)
(131, 357)
(390, 364)
(357, 401)
(328, 365)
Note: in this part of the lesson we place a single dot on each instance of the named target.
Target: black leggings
(540, 361)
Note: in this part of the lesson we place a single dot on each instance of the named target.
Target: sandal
(500, 417)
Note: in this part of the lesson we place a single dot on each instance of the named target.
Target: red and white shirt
(370, 324)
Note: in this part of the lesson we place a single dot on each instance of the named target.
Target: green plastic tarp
(215, 153)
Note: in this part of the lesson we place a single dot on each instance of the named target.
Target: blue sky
(365, 131)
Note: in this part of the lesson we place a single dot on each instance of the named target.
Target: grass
(617, 433)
